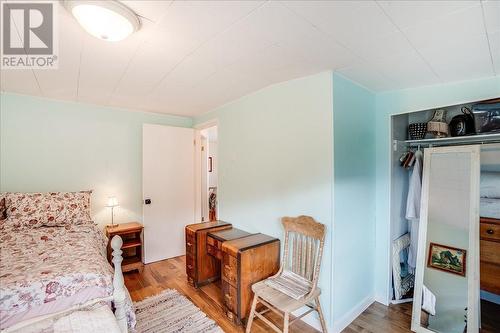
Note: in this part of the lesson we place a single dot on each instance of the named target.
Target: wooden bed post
(118, 284)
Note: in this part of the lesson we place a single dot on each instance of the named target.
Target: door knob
(147, 201)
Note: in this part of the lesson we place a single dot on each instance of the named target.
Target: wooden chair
(304, 241)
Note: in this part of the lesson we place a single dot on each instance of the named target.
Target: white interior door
(168, 182)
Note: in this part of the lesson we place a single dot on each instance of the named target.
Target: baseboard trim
(349, 317)
(382, 300)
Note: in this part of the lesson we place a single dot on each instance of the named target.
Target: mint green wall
(276, 149)
(354, 192)
(402, 101)
(48, 145)
(275, 159)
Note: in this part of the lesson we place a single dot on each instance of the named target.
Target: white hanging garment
(413, 210)
(428, 301)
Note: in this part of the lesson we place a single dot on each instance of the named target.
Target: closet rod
(442, 144)
(449, 141)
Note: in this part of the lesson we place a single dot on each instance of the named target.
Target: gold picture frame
(447, 258)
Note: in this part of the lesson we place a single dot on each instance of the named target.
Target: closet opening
(208, 173)
(443, 259)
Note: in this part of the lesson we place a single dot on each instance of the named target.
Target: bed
(53, 262)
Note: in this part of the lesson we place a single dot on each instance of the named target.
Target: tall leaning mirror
(447, 273)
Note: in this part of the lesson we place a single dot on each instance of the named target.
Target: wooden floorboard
(170, 273)
(377, 318)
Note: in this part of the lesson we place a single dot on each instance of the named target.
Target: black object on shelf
(462, 124)
(486, 117)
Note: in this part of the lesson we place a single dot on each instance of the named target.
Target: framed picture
(447, 258)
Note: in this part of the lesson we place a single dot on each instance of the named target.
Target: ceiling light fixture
(108, 20)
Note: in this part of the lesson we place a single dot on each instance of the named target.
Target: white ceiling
(192, 56)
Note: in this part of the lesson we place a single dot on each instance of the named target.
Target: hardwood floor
(378, 318)
(171, 273)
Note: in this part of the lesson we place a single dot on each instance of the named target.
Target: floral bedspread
(41, 265)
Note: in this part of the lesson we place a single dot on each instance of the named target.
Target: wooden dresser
(201, 268)
(490, 254)
(246, 261)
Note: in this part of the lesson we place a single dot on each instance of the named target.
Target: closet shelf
(456, 140)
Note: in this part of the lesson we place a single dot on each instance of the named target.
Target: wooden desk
(216, 238)
(246, 261)
(246, 258)
(201, 268)
(132, 245)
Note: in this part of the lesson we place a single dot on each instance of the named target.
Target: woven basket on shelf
(417, 131)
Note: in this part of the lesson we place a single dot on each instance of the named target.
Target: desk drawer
(190, 266)
(229, 295)
(190, 246)
(490, 231)
(214, 247)
(230, 269)
(190, 242)
(213, 251)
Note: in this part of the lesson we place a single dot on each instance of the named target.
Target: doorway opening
(209, 174)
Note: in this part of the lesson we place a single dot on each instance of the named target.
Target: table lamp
(112, 202)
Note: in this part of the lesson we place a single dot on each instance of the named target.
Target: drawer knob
(189, 244)
(490, 231)
(190, 267)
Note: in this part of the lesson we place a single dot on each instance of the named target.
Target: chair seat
(280, 300)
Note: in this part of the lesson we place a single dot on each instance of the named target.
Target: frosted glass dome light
(106, 20)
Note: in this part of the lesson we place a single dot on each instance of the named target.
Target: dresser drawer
(489, 277)
(490, 231)
(489, 251)
(229, 295)
(190, 266)
(230, 269)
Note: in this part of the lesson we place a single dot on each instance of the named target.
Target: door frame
(204, 179)
(197, 164)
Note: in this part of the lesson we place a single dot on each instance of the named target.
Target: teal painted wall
(48, 145)
(275, 159)
(354, 193)
(402, 101)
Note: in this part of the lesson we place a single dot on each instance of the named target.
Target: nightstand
(131, 234)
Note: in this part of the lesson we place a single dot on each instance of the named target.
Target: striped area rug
(170, 311)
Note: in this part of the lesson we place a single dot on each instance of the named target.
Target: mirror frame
(473, 294)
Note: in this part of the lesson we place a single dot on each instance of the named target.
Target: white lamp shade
(106, 20)
(112, 202)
